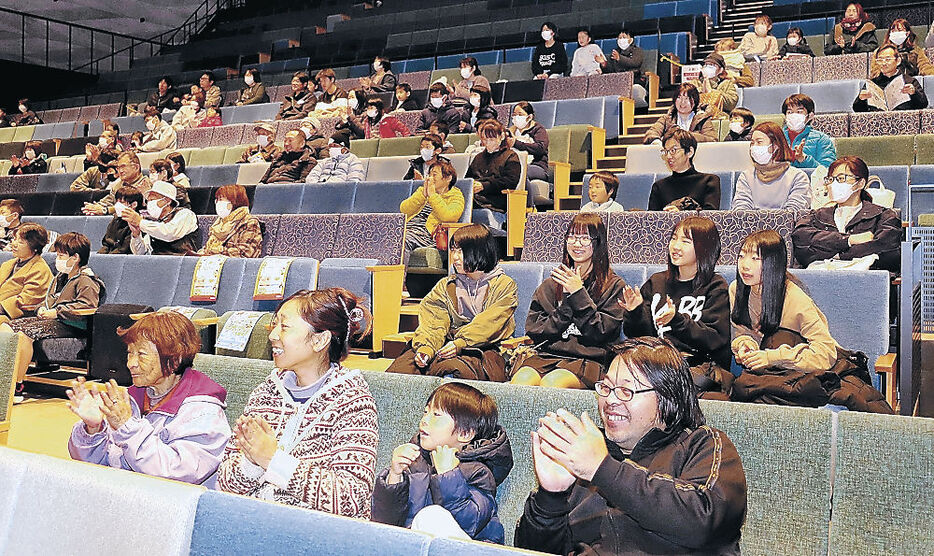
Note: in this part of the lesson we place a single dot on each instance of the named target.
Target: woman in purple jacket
(170, 423)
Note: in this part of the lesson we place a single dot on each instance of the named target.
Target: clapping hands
(256, 439)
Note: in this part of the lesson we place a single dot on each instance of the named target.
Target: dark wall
(30, 81)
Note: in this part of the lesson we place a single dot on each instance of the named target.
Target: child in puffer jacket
(444, 481)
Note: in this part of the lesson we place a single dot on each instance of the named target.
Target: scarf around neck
(767, 173)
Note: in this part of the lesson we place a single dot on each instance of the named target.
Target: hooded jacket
(67, 294)
(182, 439)
(447, 113)
(819, 148)
(817, 238)
(679, 492)
(467, 491)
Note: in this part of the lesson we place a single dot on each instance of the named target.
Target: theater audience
(212, 93)
(892, 68)
(308, 434)
(434, 203)
(265, 149)
(736, 67)
(741, 122)
(462, 321)
(685, 188)
(165, 97)
(717, 91)
(293, 164)
(235, 232)
(913, 58)
(587, 56)
(212, 118)
(403, 99)
(314, 141)
(810, 147)
(33, 161)
(440, 109)
(99, 173)
(442, 130)
(128, 174)
(795, 43)
(626, 56)
(601, 188)
(25, 278)
(161, 170)
(688, 304)
(161, 135)
(855, 33)
(341, 165)
(480, 108)
(74, 287)
(495, 169)
(471, 80)
(774, 183)
(10, 212)
(429, 154)
(116, 240)
(179, 178)
(685, 114)
(381, 80)
(549, 59)
(760, 44)
(350, 124)
(297, 105)
(443, 482)
(4, 119)
(255, 91)
(377, 124)
(191, 114)
(574, 315)
(529, 137)
(170, 423)
(654, 480)
(26, 114)
(167, 229)
(333, 99)
(853, 227)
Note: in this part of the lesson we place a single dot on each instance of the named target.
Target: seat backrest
(844, 66)
(531, 91)
(633, 191)
(610, 84)
(228, 289)
(350, 274)
(565, 88)
(787, 71)
(278, 198)
(207, 156)
(364, 148)
(55, 182)
(891, 150)
(710, 157)
(874, 124)
(251, 173)
(216, 176)
(329, 198)
(194, 138)
(139, 284)
(387, 168)
(239, 376)
(228, 135)
(306, 235)
(528, 277)
(399, 146)
(370, 236)
(381, 196)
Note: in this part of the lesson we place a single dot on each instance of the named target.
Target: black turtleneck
(703, 188)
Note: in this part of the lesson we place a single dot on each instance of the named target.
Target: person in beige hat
(167, 229)
(265, 149)
(316, 143)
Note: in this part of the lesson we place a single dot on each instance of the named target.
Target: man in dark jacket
(294, 163)
(165, 98)
(656, 480)
(297, 105)
(116, 240)
(626, 56)
(440, 109)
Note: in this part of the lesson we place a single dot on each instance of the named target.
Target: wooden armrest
(653, 80)
(84, 312)
(513, 343)
(516, 203)
(597, 143)
(886, 363)
(207, 321)
(627, 115)
(886, 367)
(388, 281)
(562, 172)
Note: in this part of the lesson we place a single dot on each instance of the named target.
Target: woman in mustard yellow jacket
(436, 202)
(25, 278)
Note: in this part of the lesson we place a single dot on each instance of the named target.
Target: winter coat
(447, 113)
(914, 60)
(387, 127)
(445, 208)
(22, 289)
(290, 167)
(680, 492)
(918, 100)
(865, 40)
(497, 171)
(296, 106)
(237, 235)
(68, 294)
(418, 165)
(630, 59)
(537, 147)
(819, 148)
(254, 94)
(701, 127)
(347, 167)
(116, 240)
(817, 238)
(467, 491)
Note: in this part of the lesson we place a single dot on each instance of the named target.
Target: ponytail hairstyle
(334, 310)
(774, 254)
(706, 238)
(590, 224)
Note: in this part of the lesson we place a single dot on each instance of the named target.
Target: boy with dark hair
(404, 99)
(812, 148)
(442, 130)
(741, 122)
(685, 188)
(116, 238)
(444, 481)
(602, 189)
(440, 109)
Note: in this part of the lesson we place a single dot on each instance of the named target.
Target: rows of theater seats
(816, 483)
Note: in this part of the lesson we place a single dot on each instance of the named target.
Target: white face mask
(547, 35)
(371, 113)
(437, 101)
(465, 72)
(335, 152)
(62, 265)
(840, 192)
(223, 208)
(150, 125)
(30, 154)
(262, 140)
(352, 102)
(102, 142)
(761, 154)
(119, 208)
(710, 71)
(153, 208)
(761, 30)
(793, 41)
(475, 102)
(623, 43)
(736, 127)
(795, 122)
(248, 80)
(427, 154)
(376, 66)
(307, 133)
(22, 108)
(195, 106)
(5, 221)
(898, 37)
(520, 121)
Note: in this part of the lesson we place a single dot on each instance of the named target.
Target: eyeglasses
(841, 178)
(580, 240)
(623, 394)
(886, 58)
(669, 152)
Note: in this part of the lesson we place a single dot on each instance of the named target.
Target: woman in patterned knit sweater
(308, 434)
